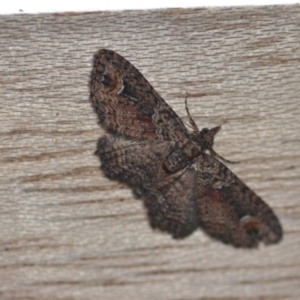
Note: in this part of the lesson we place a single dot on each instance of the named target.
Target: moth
(176, 173)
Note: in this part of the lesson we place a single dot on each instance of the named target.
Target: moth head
(208, 135)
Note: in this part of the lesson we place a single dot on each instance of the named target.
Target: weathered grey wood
(66, 232)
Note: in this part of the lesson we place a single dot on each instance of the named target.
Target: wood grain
(67, 232)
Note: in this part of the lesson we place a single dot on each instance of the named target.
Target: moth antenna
(187, 124)
(193, 124)
(214, 153)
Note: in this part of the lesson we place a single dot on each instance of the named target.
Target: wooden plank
(67, 232)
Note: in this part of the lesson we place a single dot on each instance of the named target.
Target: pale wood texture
(67, 232)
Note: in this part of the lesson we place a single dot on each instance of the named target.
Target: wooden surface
(67, 232)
